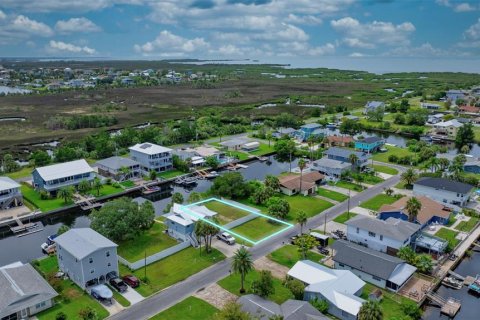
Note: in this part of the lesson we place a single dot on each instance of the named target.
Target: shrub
(44, 195)
(320, 305)
(61, 316)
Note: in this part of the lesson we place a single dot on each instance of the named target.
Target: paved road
(170, 296)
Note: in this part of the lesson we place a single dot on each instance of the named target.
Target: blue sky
(268, 30)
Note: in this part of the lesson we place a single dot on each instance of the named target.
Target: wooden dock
(449, 306)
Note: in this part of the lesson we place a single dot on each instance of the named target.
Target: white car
(227, 238)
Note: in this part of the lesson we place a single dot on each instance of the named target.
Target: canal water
(470, 309)
(27, 248)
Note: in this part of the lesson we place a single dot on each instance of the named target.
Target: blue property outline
(191, 213)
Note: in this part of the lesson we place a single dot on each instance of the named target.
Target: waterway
(470, 303)
(9, 90)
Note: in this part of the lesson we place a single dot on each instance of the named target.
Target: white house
(447, 128)
(382, 235)
(152, 157)
(340, 288)
(10, 195)
(443, 190)
(86, 257)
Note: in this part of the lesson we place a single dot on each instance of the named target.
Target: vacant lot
(289, 255)
(225, 212)
(190, 308)
(379, 200)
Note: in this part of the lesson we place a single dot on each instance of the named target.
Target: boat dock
(449, 306)
(86, 203)
(23, 229)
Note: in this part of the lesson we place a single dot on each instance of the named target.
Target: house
(342, 154)
(378, 268)
(181, 221)
(308, 130)
(340, 288)
(369, 144)
(333, 169)
(23, 292)
(280, 132)
(469, 109)
(443, 190)
(263, 309)
(251, 146)
(447, 128)
(233, 144)
(454, 95)
(56, 176)
(339, 141)
(387, 235)
(86, 257)
(118, 168)
(152, 157)
(430, 212)
(472, 163)
(373, 105)
(10, 195)
(435, 118)
(290, 184)
(430, 106)
(207, 151)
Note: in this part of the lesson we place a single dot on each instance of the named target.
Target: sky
(300, 32)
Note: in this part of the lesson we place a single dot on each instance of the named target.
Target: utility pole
(145, 266)
(348, 205)
(290, 161)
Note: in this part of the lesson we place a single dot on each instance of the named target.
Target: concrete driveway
(132, 295)
(224, 248)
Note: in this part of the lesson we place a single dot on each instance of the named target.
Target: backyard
(344, 217)
(170, 174)
(336, 196)
(225, 212)
(346, 185)
(258, 228)
(379, 200)
(448, 235)
(289, 255)
(263, 149)
(467, 226)
(391, 304)
(385, 169)
(190, 308)
(173, 269)
(151, 241)
(399, 152)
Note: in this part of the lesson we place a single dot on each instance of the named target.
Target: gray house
(444, 190)
(263, 309)
(87, 257)
(113, 168)
(10, 195)
(152, 157)
(23, 292)
(342, 154)
(330, 167)
(380, 269)
(56, 176)
(373, 105)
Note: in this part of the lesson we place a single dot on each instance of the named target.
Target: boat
(211, 175)
(149, 190)
(51, 239)
(262, 159)
(475, 285)
(48, 248)
(452, 283)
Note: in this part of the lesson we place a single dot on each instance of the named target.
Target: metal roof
(391, 228)
(331, 163)
(445, 184)
(6, 183)
(345, 153)
(81, 242)
(62, 170)
(149, 148)
(117, 163)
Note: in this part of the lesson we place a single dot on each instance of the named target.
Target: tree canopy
(230, 185)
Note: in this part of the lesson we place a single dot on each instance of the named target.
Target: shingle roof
(429, 209)
(308, 180)
(7, 183)
(66, 169)
(445, 184)
(370, 261)
(81, 242)
(331, 163)
(149, 148)
(21, 286)
(311, 126)
(116, 163)
(345, 153)
(392, 228)
(371, 139)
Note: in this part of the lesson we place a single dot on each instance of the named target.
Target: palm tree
(311, 141)
(353, 160)
(97, 185)
(301, 219)
(269, 137)
(443, 163)
(465, 149)
(84, 186)
(301, 164)
(434, 164)
(412, 207)
(65, 193)
(370, 310)
(200, 232)
(424, 263)
(242, 263)
(409, 177)
(194, 197)
(125, 171)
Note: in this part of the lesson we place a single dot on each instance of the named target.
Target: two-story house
(10, 195)
(369, 144)
(449, 192)
(454, 95)
(430, 106)
(341, 154)
(86, 257)
(308, 130)
(56, 176)
(152, 157)
(447, 128)
(382, 235)
(118, 168)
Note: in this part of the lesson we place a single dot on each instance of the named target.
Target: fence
(154, 257)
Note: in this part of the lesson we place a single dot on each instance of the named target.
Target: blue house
(310, 129)
(369, 144)
(341, 154)
(373, 105)
(454, 95)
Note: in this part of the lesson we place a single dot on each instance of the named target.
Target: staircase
(193, 240)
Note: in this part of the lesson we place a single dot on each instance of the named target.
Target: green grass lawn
(376, 202)
(258, 228)
(170, 174)
(385, 169)
(173, 269)
(238, 154)
(347, 185)
(152, 241)
(188, 309)
(232, 284)
(71, 299)
(467, 226)
(263, 149)
(344, 217)
(448, 235)
(106, 190)
(311, 205)
(400, 185)
(288, 255)
(33, 197)
(337, 196)
(119, 298)
(22, 173)
(225, 212)
(399, 152)
(128, 184)
(371, 179)
(390, 304)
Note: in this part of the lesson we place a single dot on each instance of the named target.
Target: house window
(61, 258)
(92, 271)
(109, 264)
(371, 234)
(376, 278)
(358, 230)
(381, 237)
(40, 305)
(90, 260)
(341, 265)
(108, 254)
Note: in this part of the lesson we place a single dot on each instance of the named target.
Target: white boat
(452, 283)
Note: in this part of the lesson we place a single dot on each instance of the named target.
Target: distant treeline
(80, 121)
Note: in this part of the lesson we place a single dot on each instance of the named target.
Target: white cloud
(76, 25)
(464, 7)
(64, 5)
(63, 47)
(15, 29)
(473, 32)
(324, 50)
(168, 44)
(369, 35)
(425, 50)
(30, 26)
(358, 55)
(303, 19)
(2, 15)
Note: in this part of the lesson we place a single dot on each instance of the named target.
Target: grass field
(225, 212)
(170, 174)
(347, 185)
(390, 304)
(258, 228)
(399, 152)
(128, 184)
(344, 217)
(336, 196)
(289, 255)
(467, 226)
(311, 205)
(173, 269)
(263, 149)
(71, 299)
(151, 241)
(385, 169)
(448, 235)
(22, 173)
(33, 197)
(371, 179)
(238, 154)
(376, 202)
(232, 284)
(188, 309)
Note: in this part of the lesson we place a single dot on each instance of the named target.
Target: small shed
(321, 238)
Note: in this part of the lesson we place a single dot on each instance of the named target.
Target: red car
(132, 281)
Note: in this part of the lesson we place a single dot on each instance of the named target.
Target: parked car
(226, 237)
(118, 284)
(102, 293)
(132, 281)
(323, 250)
(292, 239)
